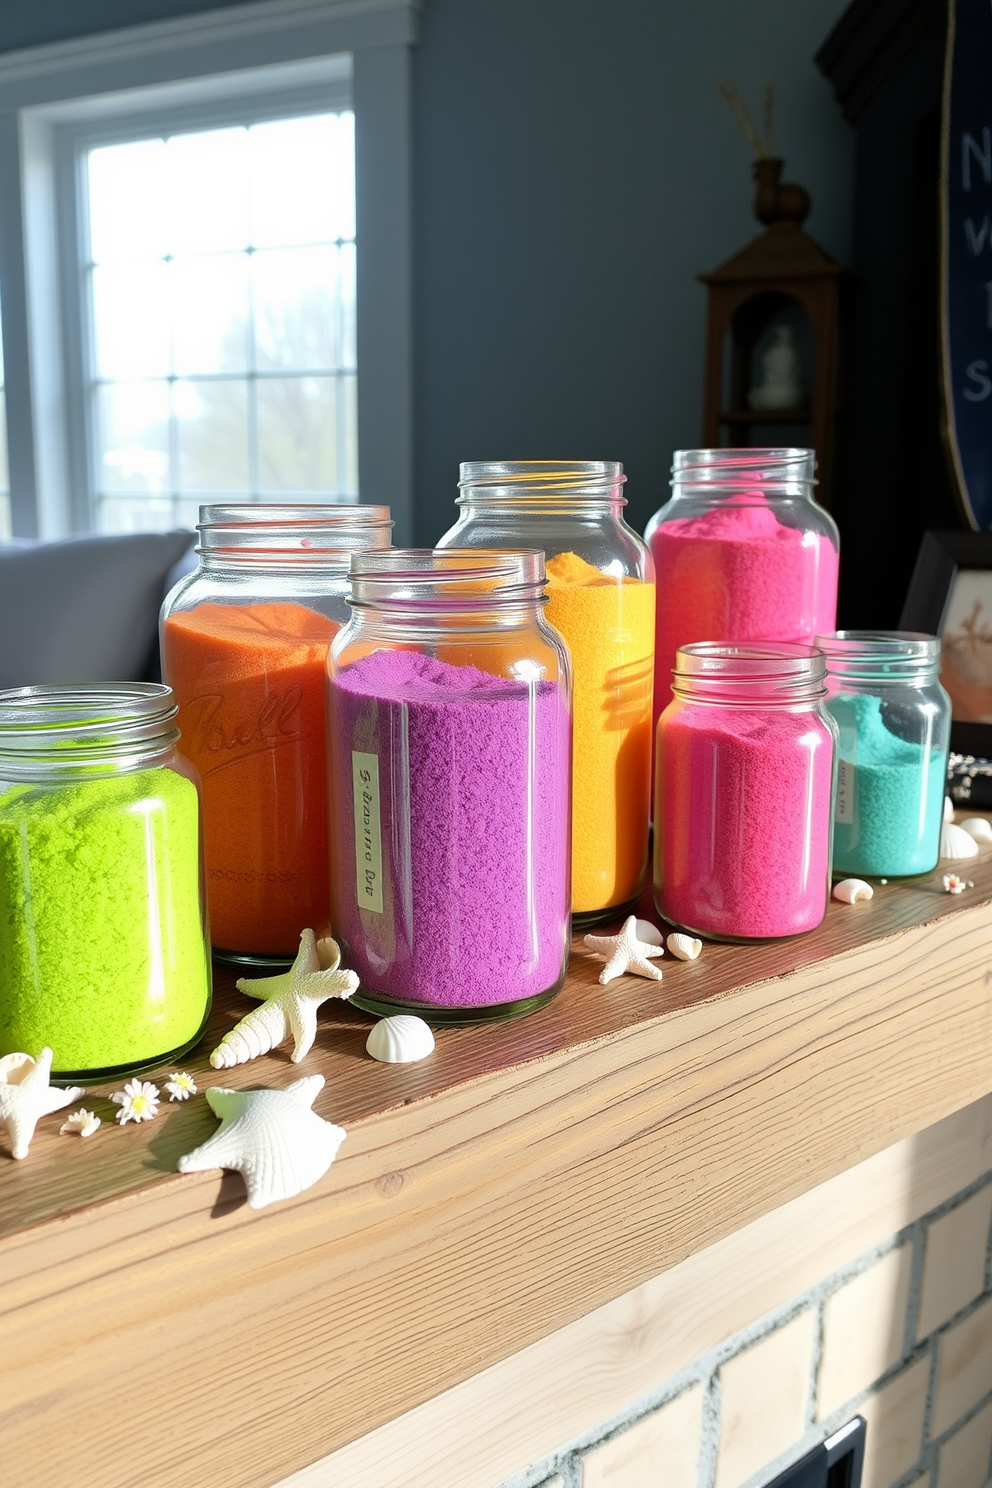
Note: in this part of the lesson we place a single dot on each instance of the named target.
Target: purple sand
(475, 888)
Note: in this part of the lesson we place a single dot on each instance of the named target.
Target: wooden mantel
(155, 1330)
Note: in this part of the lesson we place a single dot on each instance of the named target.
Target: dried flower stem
(764, 149)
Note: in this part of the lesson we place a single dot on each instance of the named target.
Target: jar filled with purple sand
(450, 760)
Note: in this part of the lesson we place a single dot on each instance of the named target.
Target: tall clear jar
(104, 952)
(450, 756)
(894, 723)
(742, 552)
(743, 792)
(601, 600)
(244, 647)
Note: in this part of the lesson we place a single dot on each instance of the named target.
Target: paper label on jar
(844, 811)
(368, 837)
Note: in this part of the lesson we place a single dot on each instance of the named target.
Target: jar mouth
(296, 536)
(83, 723)
(748, 473)
(871, 655)
(773, 672)
(446, 578)
(541, 483)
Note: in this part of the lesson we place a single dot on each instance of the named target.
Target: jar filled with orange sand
(600, 588)
(244, 648)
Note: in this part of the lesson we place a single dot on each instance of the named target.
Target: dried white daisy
(180, 1085)
(138, 1101)
(81, 1121)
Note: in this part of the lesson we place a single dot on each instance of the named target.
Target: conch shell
(684, 946)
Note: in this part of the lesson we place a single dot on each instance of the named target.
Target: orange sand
(608, 625)
(249, 681)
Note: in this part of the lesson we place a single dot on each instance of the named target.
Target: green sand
(101, 948)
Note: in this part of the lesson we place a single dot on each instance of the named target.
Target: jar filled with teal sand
(894, 720)
(103, 940)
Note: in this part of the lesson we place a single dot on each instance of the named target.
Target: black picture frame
(941, 557)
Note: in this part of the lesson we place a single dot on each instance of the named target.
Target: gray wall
(574, 170)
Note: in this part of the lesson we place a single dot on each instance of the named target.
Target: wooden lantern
(780, 278)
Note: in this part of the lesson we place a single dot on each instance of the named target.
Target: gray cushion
(83, 610)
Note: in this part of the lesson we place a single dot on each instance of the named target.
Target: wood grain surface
(153, 1328)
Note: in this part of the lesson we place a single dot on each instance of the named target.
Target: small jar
(104, 953)
(742, 552)
(601, 600)
(894, 728)
(244, 648)
(743, 792)
(450, 757)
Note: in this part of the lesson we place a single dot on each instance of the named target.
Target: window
(199, 300)
(218, 296)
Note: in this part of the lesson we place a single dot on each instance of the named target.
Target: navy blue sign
(967, 232)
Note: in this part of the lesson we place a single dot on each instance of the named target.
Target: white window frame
(280, 53)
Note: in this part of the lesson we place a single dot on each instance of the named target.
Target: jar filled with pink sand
(742, 552)
(744, 783)
(450, 785)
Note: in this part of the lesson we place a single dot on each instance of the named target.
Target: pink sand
(743, 803)
(736, 573)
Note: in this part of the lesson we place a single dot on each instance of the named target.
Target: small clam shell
(649, 934)
(948, 809)
(978, 827)
(400, 1040)
(683, 946)
(955, 842)
(850, 890)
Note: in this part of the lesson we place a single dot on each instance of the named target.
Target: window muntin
(220, 297)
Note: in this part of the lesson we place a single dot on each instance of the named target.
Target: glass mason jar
(601, 600)
(743, 792)
(450, 750)
(894, 723)
(244, 648)
(742, 553)
(104, 953)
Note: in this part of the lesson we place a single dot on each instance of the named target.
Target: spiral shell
(258, 1032)
(685, 947)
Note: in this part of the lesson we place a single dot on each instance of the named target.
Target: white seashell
(955, 842)
(400, 1040)
(649, 934)
(26, 1096)
(684, 946)
(289, 1004)
(948, 809)
(850, 890)
(271, 1137)
(978, 827)
(628, 951)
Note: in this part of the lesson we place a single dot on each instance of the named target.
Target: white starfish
(26, 1096)
(289, 1004)
(271, 1137)
(628, 951)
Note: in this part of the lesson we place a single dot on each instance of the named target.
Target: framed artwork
(950, 595)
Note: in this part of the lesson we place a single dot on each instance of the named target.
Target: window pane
(127, 201)
(208, 191)
(295, 297)
(125, 514)
(348, 341)
(348, 426)
(212, 435)
(131, 320)
(297, 434)
(210, 313)
(302, 180)
(132, 436)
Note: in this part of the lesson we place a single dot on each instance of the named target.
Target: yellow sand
(608, 625)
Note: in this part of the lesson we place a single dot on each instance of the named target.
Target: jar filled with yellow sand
(601, 600)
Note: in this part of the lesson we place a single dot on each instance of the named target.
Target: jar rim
(78, 720)
(446, 577)
(725, 670)
(757, 470)
(540, 482)
(879, 653)
(290, 534)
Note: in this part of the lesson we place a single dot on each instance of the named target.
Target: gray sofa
(86, 609)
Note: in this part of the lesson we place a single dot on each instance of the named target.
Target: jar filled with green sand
(103, 941)
(894, 720)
